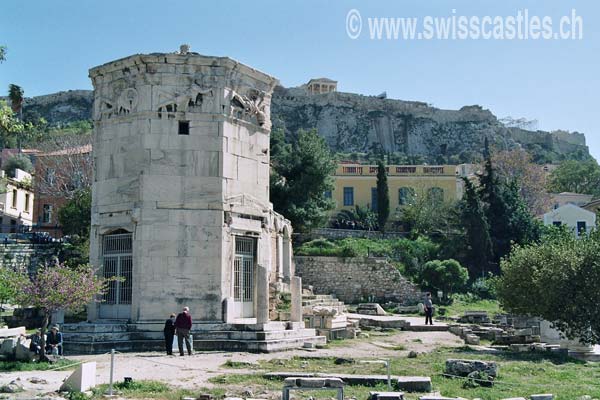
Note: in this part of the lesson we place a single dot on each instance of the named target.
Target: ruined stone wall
(27, 256)
(355, 280)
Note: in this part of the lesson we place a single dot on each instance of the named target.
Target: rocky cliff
(355, 123)
(60, 108)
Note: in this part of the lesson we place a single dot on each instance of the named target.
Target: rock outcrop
(355, 123)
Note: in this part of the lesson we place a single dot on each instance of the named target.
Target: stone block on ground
(22, 353)
(8, 347)
(82, 379)
(12, 387)
(304, 382)
(458, 367)
(471, 339)
(370, 309)
(544, 396)
(520, 348)
(435, 397)
(414, 383)
(386, 395)
(12, 332)
(474, 317)
(524, 332)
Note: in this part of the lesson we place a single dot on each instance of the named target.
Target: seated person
(36, 342)
(54, 341)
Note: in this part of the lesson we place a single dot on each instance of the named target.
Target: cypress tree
(383, 196)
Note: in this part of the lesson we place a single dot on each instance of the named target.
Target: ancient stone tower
(180, 207)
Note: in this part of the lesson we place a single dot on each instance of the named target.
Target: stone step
(323, 303)
(271, 345)
(209, 335)
(406, 383)
(318, 297)
(427, 328)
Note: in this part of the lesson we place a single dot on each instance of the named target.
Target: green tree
(576, 176)
(362, 218)
(19, 161)
(477, 229)
(15, 94)
(505, 211)
(10, 283)
(422, 216)
(383, 196)
(447, 276)
(75, 215)
(300, 175)
(2, 53)
(10, 126)
(556, 279)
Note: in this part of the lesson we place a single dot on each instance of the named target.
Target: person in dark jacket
(428, 310)
(54, 341)
(183, 324)
(169, 332)
(36, 342)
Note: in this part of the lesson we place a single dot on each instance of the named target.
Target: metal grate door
(243, 276)
(117, 262)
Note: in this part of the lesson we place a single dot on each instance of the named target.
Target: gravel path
(193, 372)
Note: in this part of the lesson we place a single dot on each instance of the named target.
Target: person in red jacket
(183, 325)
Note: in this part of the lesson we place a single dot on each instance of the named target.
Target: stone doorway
(244, 277)
(117, 262)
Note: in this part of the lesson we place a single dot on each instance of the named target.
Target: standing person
(428, 309)
(169, 332)
(183, 324)
(54, 341)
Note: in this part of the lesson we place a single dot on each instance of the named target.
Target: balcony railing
(396, 170)
(354, 170)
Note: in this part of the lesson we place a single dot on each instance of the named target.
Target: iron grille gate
(243, 272)
(116, 254)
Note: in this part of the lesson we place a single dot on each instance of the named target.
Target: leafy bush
(483, 288)
(19, 161)
(562, 274)
(408, 255)
(447, 276)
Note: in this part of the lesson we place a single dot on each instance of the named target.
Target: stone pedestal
(262, 295)
(296, 289)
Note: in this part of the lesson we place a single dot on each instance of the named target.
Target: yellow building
(356, 184)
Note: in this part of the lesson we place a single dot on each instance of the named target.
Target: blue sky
(52, 44)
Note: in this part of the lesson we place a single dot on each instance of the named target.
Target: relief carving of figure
(127, 101)
(195, 96)
(104, 108)
(253, 104)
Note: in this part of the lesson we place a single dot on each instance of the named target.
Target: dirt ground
(193, 372)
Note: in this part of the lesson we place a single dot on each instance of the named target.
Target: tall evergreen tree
(300, 175)
(505, 211)
(477, 230)
(15, 94)
(496, 211)
(383, 196)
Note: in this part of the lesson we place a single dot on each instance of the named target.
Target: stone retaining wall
(27, 256)
(356, 279)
